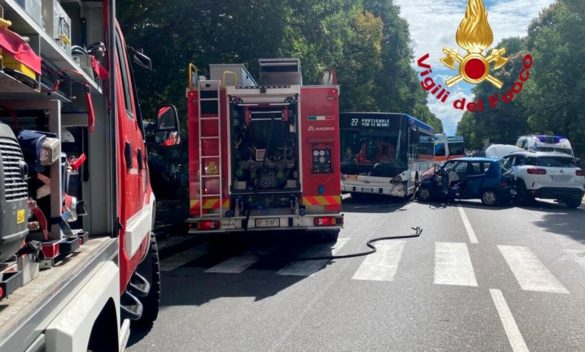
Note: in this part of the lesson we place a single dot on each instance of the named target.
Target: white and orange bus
(447, 148)
(384, 153)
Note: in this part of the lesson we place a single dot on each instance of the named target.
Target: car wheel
(572, 203)
(489, 197)
(523, 195)
(423, 194)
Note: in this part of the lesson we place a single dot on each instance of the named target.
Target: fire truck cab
(263, 156)
(78, 258)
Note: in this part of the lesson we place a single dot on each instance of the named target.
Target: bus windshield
(456, 148)
(373, 146)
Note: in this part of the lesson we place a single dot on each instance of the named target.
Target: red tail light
(328, 221)
(580, 172)
(208, 225)
(536, 171)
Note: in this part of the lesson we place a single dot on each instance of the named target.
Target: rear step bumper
(131, 306)
(311, 222)
(139, 285)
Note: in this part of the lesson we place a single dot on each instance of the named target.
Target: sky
(433, 24)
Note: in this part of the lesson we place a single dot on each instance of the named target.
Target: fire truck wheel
(150, 269)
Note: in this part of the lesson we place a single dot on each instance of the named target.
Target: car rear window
(554, 161)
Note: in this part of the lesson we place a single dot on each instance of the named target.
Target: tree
(365, 40)
(551, 100)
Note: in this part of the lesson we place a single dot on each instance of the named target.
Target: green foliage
(365, 40)
(552, 99)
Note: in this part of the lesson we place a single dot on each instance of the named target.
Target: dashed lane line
(467, 224)
(510, 327)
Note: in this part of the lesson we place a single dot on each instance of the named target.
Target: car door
(458, 182)
(136, 219)
(476, 177)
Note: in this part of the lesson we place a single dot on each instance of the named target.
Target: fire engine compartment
(49, 116)
(264, 147)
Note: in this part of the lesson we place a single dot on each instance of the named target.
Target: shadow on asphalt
(558, 219)
(275, 250)
(137, 334)
(372, 203)
(191, 285)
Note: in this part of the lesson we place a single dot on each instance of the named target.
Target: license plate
(267, 222)
(229, 224)
(560, 178)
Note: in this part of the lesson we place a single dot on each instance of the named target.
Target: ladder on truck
(209, 114)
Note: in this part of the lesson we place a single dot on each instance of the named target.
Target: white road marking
(529, 271)
(182, 258)
(514, 335)
(453, 264)
(468, 228)
(234, 265)
(576, 255)
(383, 264)
(310, 267)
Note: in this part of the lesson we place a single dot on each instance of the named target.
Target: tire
(524, 196)
(572, 203)
(489, 197)
(150, 269)
(355, 196)
(424, 194)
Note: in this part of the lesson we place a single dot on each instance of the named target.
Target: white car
(550, 175)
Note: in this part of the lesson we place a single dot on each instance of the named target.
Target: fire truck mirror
(167, 138)
(140, 59)
(167, 118)
(167, 126)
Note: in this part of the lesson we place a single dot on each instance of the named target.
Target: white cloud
(433, 25)
(446, 112)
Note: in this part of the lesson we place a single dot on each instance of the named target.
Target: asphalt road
(478, 279)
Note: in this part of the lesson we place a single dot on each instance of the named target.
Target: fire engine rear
(262, 156)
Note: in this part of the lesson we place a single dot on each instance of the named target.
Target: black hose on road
(417, 232)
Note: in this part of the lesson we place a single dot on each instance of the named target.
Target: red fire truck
(263, 156)
(78, 258)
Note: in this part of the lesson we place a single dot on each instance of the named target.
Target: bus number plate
(267, 222)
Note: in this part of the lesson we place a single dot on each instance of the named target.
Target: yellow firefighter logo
(475, 36)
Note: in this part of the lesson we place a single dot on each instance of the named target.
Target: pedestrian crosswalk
(452, 264)
(234, 265)
(383, 264)
(531, 273)
(310, 267)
